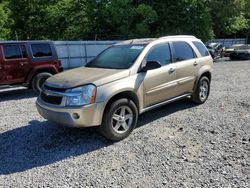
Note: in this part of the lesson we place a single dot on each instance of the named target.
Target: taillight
(58, 62)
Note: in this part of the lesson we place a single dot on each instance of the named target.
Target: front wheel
(119, 120)
(39, 80)
(202, 91)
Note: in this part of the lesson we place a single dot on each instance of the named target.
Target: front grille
(56, 100)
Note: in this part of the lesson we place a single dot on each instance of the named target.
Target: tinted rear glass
(41, 50)
(202, 49)
(183, 51)
(14, 51)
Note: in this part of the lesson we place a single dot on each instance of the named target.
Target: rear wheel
(119, 120)
(233, 56)
(202, 91)
(39, 80)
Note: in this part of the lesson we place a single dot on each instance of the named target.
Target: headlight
(81, 96)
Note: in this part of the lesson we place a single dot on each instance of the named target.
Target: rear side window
(14, 51)
(41, 50)
(183, 51)
(160, 53)
(202, 49)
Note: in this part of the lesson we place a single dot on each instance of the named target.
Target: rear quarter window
(41, 50)
(201, 48)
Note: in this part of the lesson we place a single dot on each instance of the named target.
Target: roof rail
(179, 36)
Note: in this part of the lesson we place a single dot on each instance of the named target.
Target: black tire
(233, 56)
(108, 129)
(39, 80)
(201, 94)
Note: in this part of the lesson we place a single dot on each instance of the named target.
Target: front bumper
(87, 116)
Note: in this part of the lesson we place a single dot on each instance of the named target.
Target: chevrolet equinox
(126, 80)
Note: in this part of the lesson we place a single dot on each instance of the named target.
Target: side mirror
(151, 65)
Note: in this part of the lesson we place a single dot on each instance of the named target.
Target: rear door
(187, 66)
(160, 84)
(16, 63)
(1, 69)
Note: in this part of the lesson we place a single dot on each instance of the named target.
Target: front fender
(130, 84)
(38, 69)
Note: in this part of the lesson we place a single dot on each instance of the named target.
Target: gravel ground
(179, 145)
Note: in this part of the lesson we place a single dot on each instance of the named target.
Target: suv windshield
(117, 57)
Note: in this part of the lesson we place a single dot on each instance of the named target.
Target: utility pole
(16, 35)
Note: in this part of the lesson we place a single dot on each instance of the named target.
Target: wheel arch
(206, 73)
(130, 95)
(35, 72)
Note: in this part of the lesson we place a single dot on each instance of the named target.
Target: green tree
(4, 22)
(228, 17)
(121, 19)
(29, 18)
(182, 17)
(67, 20)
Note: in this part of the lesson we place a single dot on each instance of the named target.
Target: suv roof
(149, 40)
(30, 41)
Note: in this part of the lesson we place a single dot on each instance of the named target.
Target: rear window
(14, 51)
(183, 51)
(202, 49)
(41, 50)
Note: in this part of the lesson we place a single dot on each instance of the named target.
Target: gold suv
(126, 80)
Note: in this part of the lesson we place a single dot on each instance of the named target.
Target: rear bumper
(86, 116)
(243, 56)
(60, 69)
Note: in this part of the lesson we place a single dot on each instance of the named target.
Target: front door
(160, 84)
(16, 63)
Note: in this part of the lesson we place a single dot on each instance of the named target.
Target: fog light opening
(76, 116)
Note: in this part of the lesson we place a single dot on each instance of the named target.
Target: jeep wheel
(119, 120)
(202, 91)
(39, 80)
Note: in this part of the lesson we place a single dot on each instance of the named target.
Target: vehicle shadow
(15, 94)
(43, 143)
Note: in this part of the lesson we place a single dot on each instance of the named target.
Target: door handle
(24, 63)
(195, 63)
(171, 70)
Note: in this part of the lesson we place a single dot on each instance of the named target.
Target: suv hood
(82, 76)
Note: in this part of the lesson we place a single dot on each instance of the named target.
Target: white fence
(77, 53)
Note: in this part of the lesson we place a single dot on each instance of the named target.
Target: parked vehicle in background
(215, 50)
(126, 80)
(242, 53)
(229, 50)
(28, 63)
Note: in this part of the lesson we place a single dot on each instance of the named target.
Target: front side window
(201, 48)
(14, 51)
(41, 50)
(183, 51)
(160, 53)
(117, 57)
